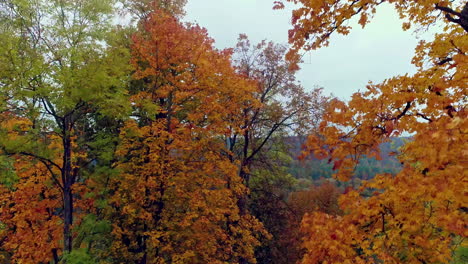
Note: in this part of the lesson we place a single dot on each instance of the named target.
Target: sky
(381, 50)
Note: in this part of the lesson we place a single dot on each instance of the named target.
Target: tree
(286, 109)
(175, 198)
(268, 202)
(58, 71)
(32, 223)
(418, 215)
(323, 198)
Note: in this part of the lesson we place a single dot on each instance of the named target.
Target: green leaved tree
(64, 76)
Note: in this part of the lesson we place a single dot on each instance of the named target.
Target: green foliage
(64, 74)
(79, 256)
(461, 255)
(8, 177)
(95, 235)
(270, 187)
(268, 202)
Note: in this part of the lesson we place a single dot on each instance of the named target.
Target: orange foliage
(29, 211)
(323, 198)
(175, 199)
(185, 75)
(412, 217)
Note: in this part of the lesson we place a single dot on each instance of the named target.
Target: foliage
(414, 216)
(175, 198)
(141, 9)
(60, 77)
(323, 198)
(142, 143)
(268, 201)
(461, 254)
(315, 169)
(34, 230)
(285, 108)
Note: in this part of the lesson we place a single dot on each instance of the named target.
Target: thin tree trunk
(55, 256)
(68, 219)
(68, 180)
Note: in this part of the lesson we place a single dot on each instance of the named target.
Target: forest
(127, 137)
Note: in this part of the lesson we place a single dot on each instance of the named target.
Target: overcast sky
(379, 51)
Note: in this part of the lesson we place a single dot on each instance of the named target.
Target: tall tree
(175, 199)
(286, 107)
(58, 71)
(418, 215)
(286, 110)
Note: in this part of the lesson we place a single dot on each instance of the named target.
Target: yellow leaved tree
(420, 214)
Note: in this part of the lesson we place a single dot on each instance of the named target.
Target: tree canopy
(127, 137)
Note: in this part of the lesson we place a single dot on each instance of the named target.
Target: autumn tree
(61, 75)
(287, 109)
(175, 198)
(418, 215)
(323, 198)
(23, 178)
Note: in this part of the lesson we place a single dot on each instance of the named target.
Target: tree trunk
(55, 256)
(67, 219)
(68, 180)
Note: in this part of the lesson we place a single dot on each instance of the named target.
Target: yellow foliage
(414, 216)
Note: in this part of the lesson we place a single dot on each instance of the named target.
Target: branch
(447, 10)
(270, 133)
(424, 117)
(407, 107)
(51, 111)
(54, 177)
(47, 162)
(463, 16)
(442, 62)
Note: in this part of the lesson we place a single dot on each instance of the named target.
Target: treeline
(314, 169)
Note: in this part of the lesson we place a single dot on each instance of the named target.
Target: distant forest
(315, 170)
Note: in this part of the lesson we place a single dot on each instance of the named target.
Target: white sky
(379, 51)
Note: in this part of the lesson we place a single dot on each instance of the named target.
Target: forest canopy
(126, 136)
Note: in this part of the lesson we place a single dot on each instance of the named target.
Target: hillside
(314, 169)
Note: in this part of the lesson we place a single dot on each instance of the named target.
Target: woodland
(127, 137)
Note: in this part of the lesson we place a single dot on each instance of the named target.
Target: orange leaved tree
(418, 215)
(31, 228)
(175, 199)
